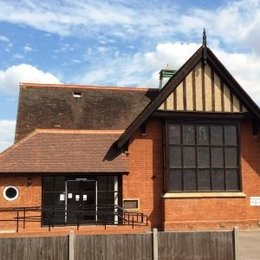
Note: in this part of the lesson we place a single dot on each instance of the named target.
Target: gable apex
(207, 58)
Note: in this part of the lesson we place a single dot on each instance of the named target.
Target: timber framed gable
(203, 90)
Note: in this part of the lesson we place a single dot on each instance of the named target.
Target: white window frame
(5, 190)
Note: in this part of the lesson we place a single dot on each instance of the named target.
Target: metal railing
(52, 217)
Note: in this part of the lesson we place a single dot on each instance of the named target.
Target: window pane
(231, 157)
(48, 183)
(174, 134)
(230, 135)
(175, 156)
(189, 157)
(174, 180)
(204, 179)
(48, 200)
(102, 198)
(102, 183)
(88, 185)
(232, 180)
(218, 179)
(110, 196)
(59, 203)
(110, 183)
(188, 134)
(216, 135)
(203, 157)
(73, 186)
(217, 157)
(60, 183)
(202, 135)
(189, 179)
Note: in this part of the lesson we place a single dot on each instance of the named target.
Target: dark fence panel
(195, 245)
(34, 248)
(110, 247)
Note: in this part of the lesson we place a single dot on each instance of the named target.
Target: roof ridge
(76, 131)
(105, 87)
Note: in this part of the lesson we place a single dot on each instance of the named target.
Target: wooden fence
(34, 248)
(156, 246)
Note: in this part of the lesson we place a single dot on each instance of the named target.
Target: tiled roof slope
(48, 106)
(79, 151)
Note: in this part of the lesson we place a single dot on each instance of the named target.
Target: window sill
(184, 195)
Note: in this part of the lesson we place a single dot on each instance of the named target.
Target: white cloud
(10, 78)
(63, 19)
(76, 61)
(27, 48)
(84, 17)
(3, 38)
(244, 68)
(18, 56)
(173, 54)
(6, 42)
(232, 22)
(7, 128)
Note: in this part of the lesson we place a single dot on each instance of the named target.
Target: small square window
(77, 94)
(131, 203)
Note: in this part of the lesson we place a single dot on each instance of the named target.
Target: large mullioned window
(202, 157)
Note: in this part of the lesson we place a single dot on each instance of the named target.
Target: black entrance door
(80, 201)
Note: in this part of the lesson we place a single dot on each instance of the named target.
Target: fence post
(71, 245)
(17, 221)
(236, 243)
(155, 244)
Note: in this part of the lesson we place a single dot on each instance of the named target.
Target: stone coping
(175, 195)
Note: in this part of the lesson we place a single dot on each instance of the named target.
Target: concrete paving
(249, 245)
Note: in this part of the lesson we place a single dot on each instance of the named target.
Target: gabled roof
(50, 106)
(67, 151)
(205, 55)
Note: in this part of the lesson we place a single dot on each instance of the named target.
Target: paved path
(249, 245)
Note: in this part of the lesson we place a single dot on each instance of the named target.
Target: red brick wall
(28, 196)
(145, 181)
(250, 164)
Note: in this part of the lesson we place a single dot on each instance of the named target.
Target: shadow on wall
(156, 217)
(250, 146)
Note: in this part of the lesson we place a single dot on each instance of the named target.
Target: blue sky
(120, 43)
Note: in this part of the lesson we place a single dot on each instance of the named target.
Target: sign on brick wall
(254, 201)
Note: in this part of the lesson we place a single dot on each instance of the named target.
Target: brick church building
(184, 156)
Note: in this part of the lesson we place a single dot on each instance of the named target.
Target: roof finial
(204, 38)
(204, 44)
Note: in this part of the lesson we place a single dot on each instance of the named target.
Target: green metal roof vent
(165, 75)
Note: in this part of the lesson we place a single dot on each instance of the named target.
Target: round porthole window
(10, 193)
